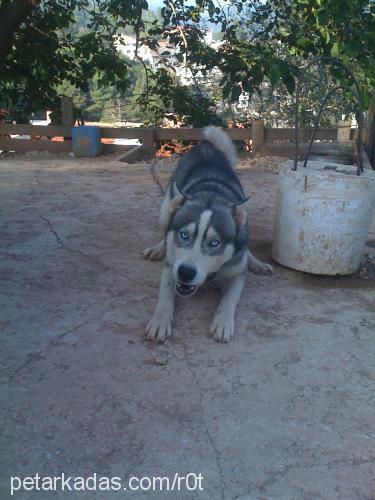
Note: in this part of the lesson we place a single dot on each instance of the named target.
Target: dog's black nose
(186, 273)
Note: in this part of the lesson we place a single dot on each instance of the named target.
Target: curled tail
(222, 142)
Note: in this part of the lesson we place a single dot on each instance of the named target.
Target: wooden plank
(195, 134)
(278, 134)
(48, 130)
(121, 133)
(287, 134)
(325, 134)
(183, 134)
(285, 150)
(271, 134)
(34, 145)
(188, 134)
(327, 150)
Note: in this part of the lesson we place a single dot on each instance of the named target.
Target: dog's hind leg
(156, 252)
(257, 266)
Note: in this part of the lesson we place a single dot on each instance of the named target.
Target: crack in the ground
(55, 233)
(91, 258)
(72, 250)
(209, 436)
(275, 476)
(39, 355)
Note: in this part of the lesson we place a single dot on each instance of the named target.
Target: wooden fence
(58, 138)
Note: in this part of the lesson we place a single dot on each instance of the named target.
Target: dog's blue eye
(184, 235)
(214, 243)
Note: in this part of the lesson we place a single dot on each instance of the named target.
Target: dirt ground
(285, 411)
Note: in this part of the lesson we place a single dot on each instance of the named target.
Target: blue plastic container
(86, 141)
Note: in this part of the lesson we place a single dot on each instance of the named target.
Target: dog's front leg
(160, 327)
(222, 327)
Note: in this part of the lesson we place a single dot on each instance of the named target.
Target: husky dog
(204, 220)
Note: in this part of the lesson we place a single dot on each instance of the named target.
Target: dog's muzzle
(185, 290)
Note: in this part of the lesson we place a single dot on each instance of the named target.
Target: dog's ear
(176, 197)
(240, 211)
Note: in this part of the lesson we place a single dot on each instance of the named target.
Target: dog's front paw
(261, 268)
(222, 327)
(156, 252)
(160, 327)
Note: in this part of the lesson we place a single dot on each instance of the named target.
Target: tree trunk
(12, 15)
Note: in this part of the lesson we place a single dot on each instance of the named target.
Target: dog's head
(203, 235)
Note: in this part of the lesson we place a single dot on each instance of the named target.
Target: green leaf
(335, 50)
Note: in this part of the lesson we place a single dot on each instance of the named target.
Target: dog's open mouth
(185, 290)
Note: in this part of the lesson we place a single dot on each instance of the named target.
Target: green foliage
(69, 45)
(106, 103)
(344, 29)
(52, 48)
(165, 95)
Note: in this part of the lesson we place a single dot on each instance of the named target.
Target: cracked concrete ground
(285, 411)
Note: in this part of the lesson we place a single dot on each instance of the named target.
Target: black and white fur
(204, 220)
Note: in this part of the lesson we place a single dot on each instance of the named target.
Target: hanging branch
(317, 121)
(296, 127)
(137, 30)
(179, 27)
(337, 62)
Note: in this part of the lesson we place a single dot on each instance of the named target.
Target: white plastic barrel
(323, 214)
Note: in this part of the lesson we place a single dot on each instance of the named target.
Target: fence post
(148, 142)
(343, 131)
(257, 133)
(67, 111)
